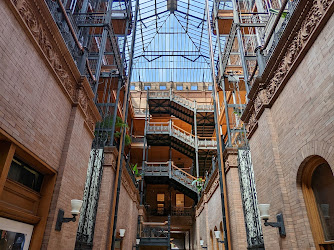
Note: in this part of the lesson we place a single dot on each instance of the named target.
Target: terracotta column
(236, 213)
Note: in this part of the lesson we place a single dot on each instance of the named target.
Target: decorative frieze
(40, 26)
(310, 17)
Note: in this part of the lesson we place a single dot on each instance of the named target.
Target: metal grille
(249, 200)
(91, 199)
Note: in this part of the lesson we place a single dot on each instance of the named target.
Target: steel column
(236, 20)
(196, 138)
(114, 210)
(102, 47)
(222, 73)
(220, 144)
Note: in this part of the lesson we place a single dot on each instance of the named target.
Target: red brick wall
(127, 216)
(299, 124)
(33, 108)
(37, 113)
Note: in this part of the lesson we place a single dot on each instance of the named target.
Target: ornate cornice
(302, 30)
(39, 25)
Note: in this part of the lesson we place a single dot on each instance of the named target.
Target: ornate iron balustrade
(207, 142)
(157, 168)
(183, 177)
(159, 94)
(277, 35)
(182, 211)
(180, 134)
(209, 174)
(184, 102)
(155, 229)
(169, 169)
(65, 29)
(139, 111)
(158, 128)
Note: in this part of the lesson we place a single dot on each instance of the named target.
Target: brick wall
(35, 111)
(299, 124)
(33, 108)
(127, 216)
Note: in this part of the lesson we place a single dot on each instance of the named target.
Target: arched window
(318, 189)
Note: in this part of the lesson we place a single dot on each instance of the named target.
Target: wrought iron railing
(169, 169)
(180, 134)
(155, 229)
(276, 36)
(182, 211)
(189, 104)
(66, 28)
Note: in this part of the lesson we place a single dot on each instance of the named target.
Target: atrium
(167, 124)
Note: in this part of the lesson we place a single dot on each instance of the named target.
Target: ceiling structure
(172, 42)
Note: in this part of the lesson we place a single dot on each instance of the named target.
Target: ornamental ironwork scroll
(249, 200)
(87, 219)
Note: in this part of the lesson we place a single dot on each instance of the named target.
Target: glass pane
(179, 87)
(24, 174)
(161, 197)
(323, 187)
(179, 200)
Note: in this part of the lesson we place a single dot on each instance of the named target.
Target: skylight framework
(172, 45)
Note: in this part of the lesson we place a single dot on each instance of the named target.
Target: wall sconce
(76, 205)
(121, 233)
(217, 235)
(201, 242)
(137, 241)
(264, 214)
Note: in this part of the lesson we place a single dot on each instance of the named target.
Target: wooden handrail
(69, 25)
(156, 163)
(179, 169)
(178, 128)
(155, 223)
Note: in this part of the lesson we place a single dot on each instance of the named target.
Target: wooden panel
(20, 197)
(12, 212)
(7, 150)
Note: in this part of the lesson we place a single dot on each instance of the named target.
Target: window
(162, 86)
(24, 174)
(179, 200)
(318, 185)
(323, 185)
(147, 86)
(160, 204)
(160, 197)
(193, 87)
(179, 87)
(210, 87)
(132, 87)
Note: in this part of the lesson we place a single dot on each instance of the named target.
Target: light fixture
(217, 235)
(264, 214)
(121, 233)
(76, 205)
(138, 241)
(201, 242)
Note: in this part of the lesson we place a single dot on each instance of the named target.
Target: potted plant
(136, 172)
(199, 182)
(107, 123)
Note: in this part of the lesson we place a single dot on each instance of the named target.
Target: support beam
(220, 144)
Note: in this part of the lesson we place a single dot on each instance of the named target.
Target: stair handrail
(203, 140)
(179, 169)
